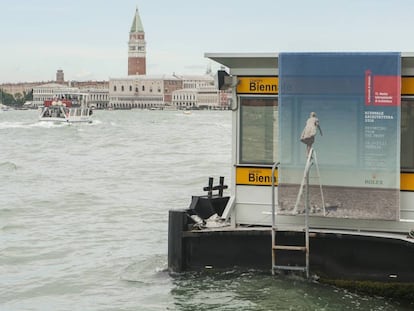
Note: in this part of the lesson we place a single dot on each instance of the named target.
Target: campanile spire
(136, 47)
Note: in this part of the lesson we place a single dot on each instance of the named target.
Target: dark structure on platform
(334, 255)
(181, 221)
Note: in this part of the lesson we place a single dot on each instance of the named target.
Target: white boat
(65, 111)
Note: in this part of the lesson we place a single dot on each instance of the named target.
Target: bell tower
(136, 48)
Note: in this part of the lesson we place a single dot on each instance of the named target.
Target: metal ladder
(302, 248)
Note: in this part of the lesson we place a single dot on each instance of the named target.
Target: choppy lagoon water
(84, 211)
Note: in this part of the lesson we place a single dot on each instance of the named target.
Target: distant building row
(143, 92)
(180, 92)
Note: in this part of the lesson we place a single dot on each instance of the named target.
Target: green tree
(6, 98)
(17, 100)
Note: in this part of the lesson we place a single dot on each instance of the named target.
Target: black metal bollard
(177, 223)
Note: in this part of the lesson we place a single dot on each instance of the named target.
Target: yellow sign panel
(257, 176)
(407, 182)
(258, 85)
(261, 176)
(270, 85)
(407, 85)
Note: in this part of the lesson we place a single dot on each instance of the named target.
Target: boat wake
(43, 124)
(13, 125)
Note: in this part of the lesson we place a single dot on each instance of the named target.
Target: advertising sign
(346, 106)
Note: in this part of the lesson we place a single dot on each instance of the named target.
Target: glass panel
(258, 129)
(407, 134)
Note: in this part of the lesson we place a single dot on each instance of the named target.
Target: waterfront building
(197, 81)
(19, 89)
(97, 90)
(197, 98)
(89, 84)
(160, 91)
(49, 91)
(137, 47)
(225, 99)
(198, 93)
(208, 98)
(95, 97)
(185, 99)
(144, 92)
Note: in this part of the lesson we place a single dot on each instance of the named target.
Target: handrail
(276, 164)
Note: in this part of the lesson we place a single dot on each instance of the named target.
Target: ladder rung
(292, 268)
(290, 247)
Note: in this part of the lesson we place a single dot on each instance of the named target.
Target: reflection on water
(258, 290)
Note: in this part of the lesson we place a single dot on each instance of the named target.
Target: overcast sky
(88, 39)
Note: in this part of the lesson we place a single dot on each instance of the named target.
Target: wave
(25, 125)
(13, 125)
(96, 122)
(41, 124)
(11, 227)
(144, 270)
(8, 166)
